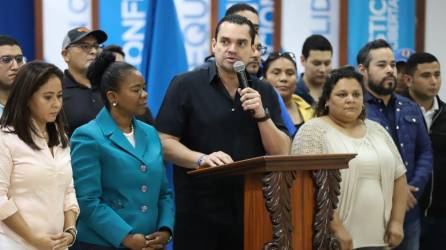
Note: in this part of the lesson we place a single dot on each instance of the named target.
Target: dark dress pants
(192, 233)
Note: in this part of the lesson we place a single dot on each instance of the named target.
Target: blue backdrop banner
(164, 54)
(17, 21)
(127, 26)
(391, 20)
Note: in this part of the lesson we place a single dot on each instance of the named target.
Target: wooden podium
(288, 200)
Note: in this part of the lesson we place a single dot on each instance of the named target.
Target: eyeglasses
(275, 55)
(19, 59)
(261, 49)
(86, 46)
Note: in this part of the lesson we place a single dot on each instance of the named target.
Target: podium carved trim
(327, 192)
(276, 191)
(267, 212)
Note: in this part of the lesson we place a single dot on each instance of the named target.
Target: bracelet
(166, 229)
(200, 160)
(71, 230)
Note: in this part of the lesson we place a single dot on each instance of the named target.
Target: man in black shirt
(81, 100)
(207, 120)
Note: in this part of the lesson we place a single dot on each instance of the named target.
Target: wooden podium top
(274, 163)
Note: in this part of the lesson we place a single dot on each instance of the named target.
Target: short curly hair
(334, 77)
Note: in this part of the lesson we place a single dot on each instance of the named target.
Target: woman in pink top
(38, 207)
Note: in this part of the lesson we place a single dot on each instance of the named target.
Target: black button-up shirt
(199, 110)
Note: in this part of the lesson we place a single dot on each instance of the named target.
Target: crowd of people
(82, 161)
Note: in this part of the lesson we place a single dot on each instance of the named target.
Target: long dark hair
(17, 114)
(335, 76)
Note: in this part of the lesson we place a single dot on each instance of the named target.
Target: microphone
(239, 68)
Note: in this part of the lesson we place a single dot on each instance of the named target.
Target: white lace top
(365, 202)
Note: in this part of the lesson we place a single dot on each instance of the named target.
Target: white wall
(58, 18)
(302, 18)
(435, 38)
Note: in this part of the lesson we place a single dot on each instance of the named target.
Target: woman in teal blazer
(118, 169)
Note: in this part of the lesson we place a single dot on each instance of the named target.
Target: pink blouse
(36, 184)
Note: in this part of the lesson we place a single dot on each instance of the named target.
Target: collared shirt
(286, 118)
(429, 114)
(304, 109)
(37, 183)
(388, 111)
(82, 104)
(199, 110)
(120, 188)
(433, 201)
(412, 141)
(303, 91)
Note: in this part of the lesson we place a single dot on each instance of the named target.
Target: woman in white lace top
(371, 207)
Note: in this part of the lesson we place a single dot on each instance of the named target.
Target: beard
(380, 89)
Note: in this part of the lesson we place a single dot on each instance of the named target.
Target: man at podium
(208, 119)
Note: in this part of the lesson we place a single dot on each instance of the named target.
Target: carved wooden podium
(288, 200)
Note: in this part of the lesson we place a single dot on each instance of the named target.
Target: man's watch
(265, 117)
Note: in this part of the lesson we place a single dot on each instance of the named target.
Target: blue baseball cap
(401, 55)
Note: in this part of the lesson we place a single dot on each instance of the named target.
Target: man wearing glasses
(81, 100)
(11, 59)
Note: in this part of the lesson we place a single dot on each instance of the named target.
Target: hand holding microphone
(239, 68)
(250, 98)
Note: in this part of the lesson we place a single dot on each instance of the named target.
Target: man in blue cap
(401, 56)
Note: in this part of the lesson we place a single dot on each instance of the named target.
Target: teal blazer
(121, 189)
